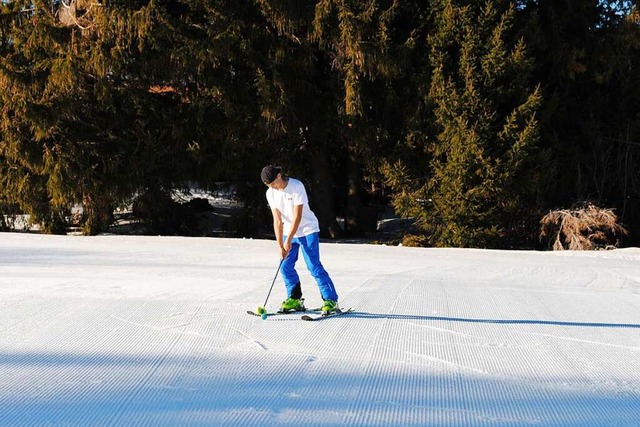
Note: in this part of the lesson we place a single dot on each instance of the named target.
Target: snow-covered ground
(152, 331)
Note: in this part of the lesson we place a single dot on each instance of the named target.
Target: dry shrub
(583, 227)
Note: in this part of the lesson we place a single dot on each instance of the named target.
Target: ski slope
(152, 331)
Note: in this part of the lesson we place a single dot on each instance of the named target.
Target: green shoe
(292, 304)
(329, 306)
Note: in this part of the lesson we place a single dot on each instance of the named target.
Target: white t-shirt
(284, 200)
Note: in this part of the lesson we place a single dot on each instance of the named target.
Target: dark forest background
(474, 119)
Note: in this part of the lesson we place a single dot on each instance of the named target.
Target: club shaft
(274, 281)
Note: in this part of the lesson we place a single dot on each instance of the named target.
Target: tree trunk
(352, 219)
(98, 214)
(322, 203)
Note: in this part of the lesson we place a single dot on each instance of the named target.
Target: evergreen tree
(323, 57)
(480, 165)
(371, 46)
(119, 102)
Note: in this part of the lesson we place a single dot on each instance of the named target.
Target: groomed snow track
(152, 331)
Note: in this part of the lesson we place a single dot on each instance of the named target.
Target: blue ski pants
(310, 245)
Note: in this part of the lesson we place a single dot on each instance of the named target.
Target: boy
(296, 226)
